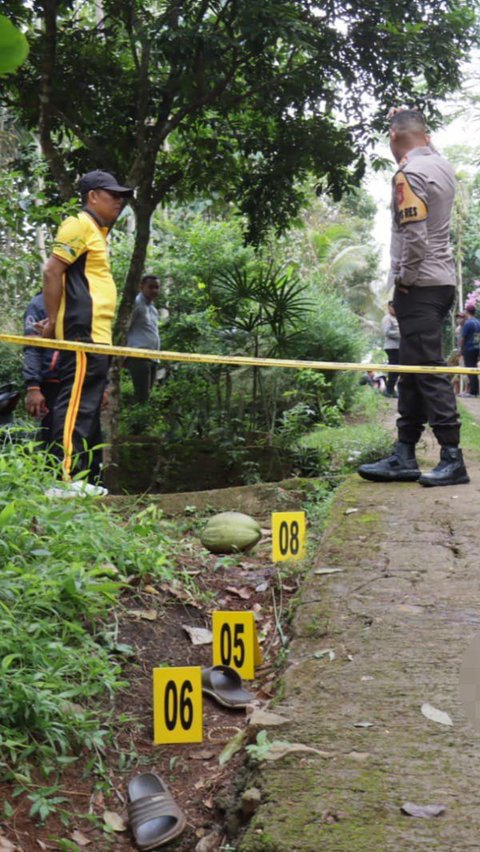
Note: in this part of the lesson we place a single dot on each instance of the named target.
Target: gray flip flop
(224, 684)
(154, 816)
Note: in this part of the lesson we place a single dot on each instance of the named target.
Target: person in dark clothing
(423, 272)
(391, 345)
(470, 347)
(40, 373)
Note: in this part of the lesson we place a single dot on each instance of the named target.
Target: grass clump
(470, 432)
(340, 449)
(63, 565)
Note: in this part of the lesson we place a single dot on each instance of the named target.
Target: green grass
(342, 449)
(470, 432)
(63, 566)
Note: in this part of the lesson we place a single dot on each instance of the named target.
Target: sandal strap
(148, 808)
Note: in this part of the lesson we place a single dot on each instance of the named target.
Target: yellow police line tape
(234, 360)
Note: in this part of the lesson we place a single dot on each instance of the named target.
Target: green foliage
(235, 101)
(224, 298)
(13, 47)
(62, 569)
(11, 362)
(342, 449)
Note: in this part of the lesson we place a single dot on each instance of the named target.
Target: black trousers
(425, 398)
(76, 415)
(471, 360)
(393, 356)
(44, 433)
(143, 372)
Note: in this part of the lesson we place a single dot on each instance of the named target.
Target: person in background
(40, 373)
(144, 334)
(470, 347)
(80, 297)
(391, 345)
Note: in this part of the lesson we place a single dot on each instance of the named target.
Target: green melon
(230, 532)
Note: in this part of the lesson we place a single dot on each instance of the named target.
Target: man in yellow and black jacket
(80, 298)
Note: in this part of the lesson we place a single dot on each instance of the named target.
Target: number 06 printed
(177, 705)
(288, 536)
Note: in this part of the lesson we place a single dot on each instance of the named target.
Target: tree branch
(45, 122)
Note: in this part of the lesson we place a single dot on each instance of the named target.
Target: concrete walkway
(399, 618)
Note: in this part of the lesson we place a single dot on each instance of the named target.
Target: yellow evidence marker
(289, 531)
(235, 642)
(177, 705)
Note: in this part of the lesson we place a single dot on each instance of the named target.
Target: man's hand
(35, 403)
(45, 328)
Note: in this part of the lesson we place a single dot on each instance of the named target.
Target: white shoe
(77, 488)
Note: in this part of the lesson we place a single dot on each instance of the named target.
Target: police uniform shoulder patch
(410, 207)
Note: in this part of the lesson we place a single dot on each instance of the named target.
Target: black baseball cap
(102, 180)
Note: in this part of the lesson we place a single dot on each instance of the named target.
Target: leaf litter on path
(328, 570)
(198, 635)
(114, 821)
(424, 811)
(435, 715)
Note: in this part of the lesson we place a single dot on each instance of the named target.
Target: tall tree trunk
(143, 213)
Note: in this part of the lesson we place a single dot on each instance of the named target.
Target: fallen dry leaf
(80, 838)
(145, 614)
(350, 511)
(98, 799)
(232, 747)
(151, 590)
(198, 635)
(266, 719)
(114, 821)
(425, 811)
(180, 594)
(279, 749)
(6, 845)
(328, 570)
(435, 715)
(203, 754)
(243, 593)
(327, 652)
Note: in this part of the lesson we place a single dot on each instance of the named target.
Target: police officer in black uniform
(423, 272)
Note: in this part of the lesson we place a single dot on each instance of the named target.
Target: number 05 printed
(177, 705)
(288, 536)
(235, 642)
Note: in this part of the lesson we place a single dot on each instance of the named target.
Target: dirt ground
(399, 616)
(150, 620)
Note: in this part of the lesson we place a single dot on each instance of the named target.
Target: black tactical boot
(450, 470)
(400, 467)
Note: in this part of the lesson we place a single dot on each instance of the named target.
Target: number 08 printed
(288, 536)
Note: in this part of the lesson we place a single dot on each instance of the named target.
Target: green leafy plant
(62, 569)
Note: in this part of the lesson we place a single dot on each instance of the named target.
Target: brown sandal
(154, 816)
(224, 684)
